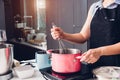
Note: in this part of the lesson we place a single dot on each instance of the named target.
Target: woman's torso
(105, 30)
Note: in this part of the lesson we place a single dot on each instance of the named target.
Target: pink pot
(65, 63)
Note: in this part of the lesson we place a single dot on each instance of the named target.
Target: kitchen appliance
(49, 74)
(67, 62)
(6, 57)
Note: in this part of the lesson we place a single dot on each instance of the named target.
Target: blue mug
(42, 59)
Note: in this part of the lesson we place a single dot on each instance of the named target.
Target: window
(34, 14)
(41, 15)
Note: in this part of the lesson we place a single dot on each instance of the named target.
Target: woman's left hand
(91, 56)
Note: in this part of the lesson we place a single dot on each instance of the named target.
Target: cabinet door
(69, 15)
(90, 2)
(2, 15)
(61, 13)
(66, 17)
(51, 16)
(81, 8)
(80, 14)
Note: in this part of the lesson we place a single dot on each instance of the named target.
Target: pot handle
(49, 51)
(80, 61)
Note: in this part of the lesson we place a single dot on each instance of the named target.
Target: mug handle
(50, 53)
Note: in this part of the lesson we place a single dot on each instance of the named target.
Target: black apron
(105, 30)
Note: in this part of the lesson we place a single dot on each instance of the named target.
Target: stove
(49, 74)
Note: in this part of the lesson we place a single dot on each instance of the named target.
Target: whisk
(62, 47)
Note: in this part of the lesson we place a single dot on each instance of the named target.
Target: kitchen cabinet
(9, 23)
(2, 15)
(51, 16)
(5, 17)
(66, 16)
(24, 50)
(70, 15)
(80, 14)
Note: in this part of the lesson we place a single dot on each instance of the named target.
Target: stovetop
(49, 74)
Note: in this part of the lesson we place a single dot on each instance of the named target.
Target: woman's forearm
(75, 38)
(110, 49)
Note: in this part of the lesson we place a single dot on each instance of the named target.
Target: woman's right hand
(57, 33)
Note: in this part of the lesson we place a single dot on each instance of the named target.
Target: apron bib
(105, 30)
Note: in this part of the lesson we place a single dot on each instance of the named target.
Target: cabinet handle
(74, 26)
(78, 25)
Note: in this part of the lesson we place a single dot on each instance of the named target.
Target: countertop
(23, 49)
(40, 46)
(37, 75)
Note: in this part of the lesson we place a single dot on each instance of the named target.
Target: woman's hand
(91, 56)
(57, 33)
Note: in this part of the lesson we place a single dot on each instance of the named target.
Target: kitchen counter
(37, 75)
(24, 50)
(40, 46)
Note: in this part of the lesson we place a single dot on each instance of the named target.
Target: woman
(102, 31)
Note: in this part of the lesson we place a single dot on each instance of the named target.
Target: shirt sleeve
(93, 9)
